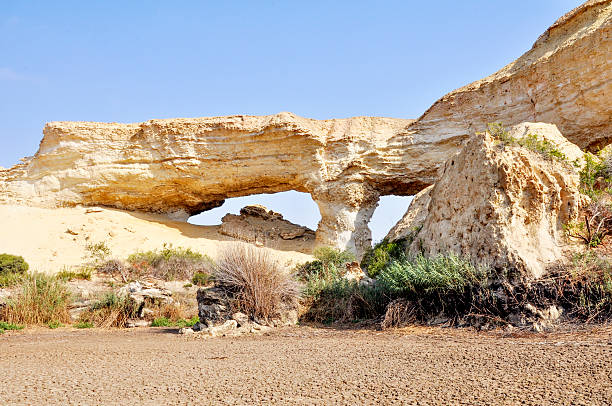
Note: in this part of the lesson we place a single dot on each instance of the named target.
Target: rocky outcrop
(501, 205)
(257, 224)
(184, 166)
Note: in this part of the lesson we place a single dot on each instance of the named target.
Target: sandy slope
(50, 239)
(305, 366)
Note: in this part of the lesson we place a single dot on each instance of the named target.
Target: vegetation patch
(257, 282)
(111, 311)
(9, 326)
(327, 297)
(169, 264)
(532, 142)
(377, 257)
(42, 299)
(82, 274)
(84, 324)
(13, 268)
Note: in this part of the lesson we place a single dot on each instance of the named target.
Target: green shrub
(84, 324)
(11, 279)
(169, 263)
(376, 258)
(161, 322)
(201, 278)
(12, 265)
(187, 323)
(43, 299)
(98, 252)
(532, 142)
(54, 324)
(329, 255)
(82, 274)
(422, 276)
(9, 326)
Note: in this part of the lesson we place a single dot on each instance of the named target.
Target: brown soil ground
(305, 365)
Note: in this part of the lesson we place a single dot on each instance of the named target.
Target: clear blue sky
(130, 61)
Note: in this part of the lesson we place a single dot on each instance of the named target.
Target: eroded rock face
(257, 224)
(184, 166)
(501, 205)
(564, 79)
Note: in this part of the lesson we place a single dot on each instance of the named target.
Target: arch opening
(389, 211)
(287, 221)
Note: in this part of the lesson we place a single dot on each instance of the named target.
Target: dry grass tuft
(260, 285)
(43, 299)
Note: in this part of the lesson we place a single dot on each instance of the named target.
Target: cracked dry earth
(305, 365)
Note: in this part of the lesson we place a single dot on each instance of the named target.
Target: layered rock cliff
(184, 166)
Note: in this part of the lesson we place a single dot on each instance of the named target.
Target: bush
(169, 263)
(201, 278)
(532, 142)
(161, 322)
(84, 324)
(111, 311)
(12, 265)
(329, 298)
(435, 276)
(376, 258)
(333, 256)
(43, 299)
(259, 285)
(82, 274)
(54, 324)
(9, 326)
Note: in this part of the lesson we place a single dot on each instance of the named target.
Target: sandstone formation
(499, 204)
(564, 79)
(257, 224)
(181, 167)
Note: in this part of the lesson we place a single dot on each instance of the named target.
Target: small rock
(137, 323)
(222, 329)
(186, 330)
(241, 318)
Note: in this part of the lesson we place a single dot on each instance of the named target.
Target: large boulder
(500, 204)
(257, 224)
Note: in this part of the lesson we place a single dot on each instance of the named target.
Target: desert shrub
(329, 255)
(201, 278)
(532, 142)
(583, 287)
(66, 275)
(98, 252)
(330, 298)
(169, 263)
(54, 324)
(436, 276)
(595, 175)
(187, 322)
(11, 279)
(9, 326)
(83, 324)
(12, 265)
(43, 299)
(259, 284)
(341, 300)
(377, 257)
(161, 322)
(111, 311)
